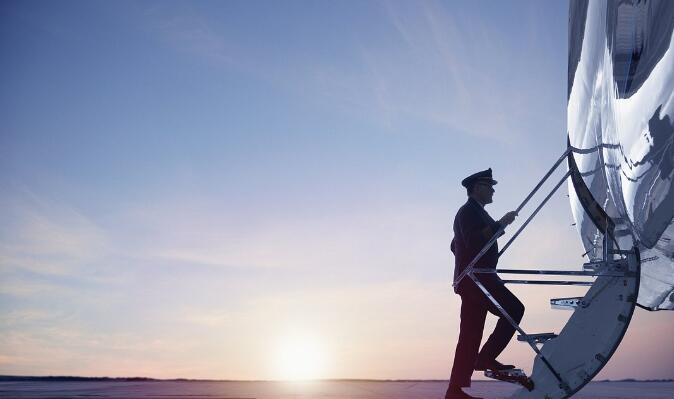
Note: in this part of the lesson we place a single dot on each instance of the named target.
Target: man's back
(471, 233)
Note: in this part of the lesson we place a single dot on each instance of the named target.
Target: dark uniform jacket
(470, 236)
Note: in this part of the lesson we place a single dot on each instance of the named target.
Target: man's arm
(476, 230)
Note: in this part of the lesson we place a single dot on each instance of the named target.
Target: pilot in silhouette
(473, 228)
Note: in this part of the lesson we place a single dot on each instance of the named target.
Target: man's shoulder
(466, 212)
(469, 207)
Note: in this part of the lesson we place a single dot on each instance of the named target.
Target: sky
(265, 190)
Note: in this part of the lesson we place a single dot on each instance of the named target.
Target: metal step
(536, 338)
(622, 233)
(604, 268)
(593, 266)
(567, 303)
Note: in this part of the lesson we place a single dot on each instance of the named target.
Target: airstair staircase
(565, 361)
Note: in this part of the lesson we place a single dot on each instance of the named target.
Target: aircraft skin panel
(588, 339)
(621, 127)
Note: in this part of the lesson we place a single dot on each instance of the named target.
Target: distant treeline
(92, 379)
(70, 378)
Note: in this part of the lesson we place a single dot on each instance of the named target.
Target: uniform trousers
(474, 308)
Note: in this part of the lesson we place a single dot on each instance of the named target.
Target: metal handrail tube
(549, 282)
(543, 180)
(566, 175)
(551, 272)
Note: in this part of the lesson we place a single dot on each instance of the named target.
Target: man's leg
(473, 314)
(504, 331)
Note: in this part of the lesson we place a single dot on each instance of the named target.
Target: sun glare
(300, 357)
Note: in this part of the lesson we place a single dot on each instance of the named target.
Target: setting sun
(300, 357)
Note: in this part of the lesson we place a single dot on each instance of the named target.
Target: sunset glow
(300, 357)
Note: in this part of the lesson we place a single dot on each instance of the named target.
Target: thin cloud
(439, 71)
(374, 236)
(190, 33)
(46, 236)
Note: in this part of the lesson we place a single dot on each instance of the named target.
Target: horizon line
(150, 379)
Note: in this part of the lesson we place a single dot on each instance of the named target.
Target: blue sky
(184, 184)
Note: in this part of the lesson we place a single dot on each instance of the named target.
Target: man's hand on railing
(508, 218)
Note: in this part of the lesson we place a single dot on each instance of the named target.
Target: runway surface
(305, 390)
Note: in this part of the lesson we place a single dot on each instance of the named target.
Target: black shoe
(457, 393)
(492, 365)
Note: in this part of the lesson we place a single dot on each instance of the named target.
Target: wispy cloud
(189, 32)
(66, 349)
(46, 236)
(434, 67)
(452, 79)
(375, 236)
